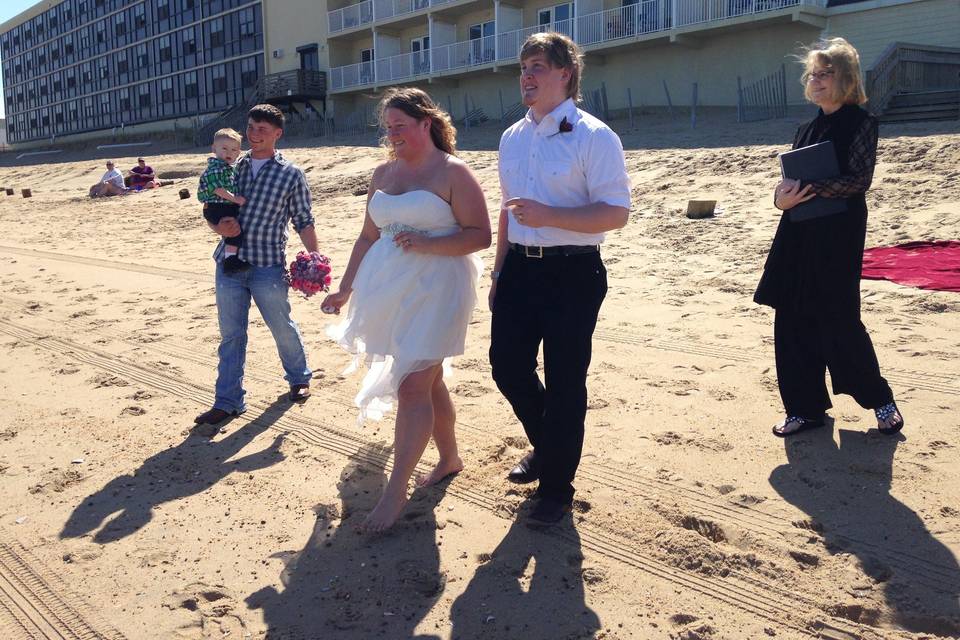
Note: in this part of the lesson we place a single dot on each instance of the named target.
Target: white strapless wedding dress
(408, 311)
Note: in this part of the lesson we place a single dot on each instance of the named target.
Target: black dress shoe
(549, 511)
(526, 471)
(215, 416)
(299, 392)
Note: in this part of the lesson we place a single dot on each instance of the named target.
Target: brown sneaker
(215, 416)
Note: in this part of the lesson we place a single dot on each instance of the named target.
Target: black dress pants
(807, 345)
(554, 300)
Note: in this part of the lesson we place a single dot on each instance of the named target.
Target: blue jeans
(269, 290)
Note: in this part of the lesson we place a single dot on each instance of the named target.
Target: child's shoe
(233, 264)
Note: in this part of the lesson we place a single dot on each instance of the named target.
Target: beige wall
(872, 26)
(288, 24)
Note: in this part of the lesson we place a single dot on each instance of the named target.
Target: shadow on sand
(344, 584)
(845, 489)
(193, 466)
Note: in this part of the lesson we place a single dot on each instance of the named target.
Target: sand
(691, 520)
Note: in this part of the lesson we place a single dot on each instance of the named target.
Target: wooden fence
(764, 99)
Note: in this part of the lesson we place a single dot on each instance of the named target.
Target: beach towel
(926, 265)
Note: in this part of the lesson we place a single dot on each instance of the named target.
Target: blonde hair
(227, 133)
(561, 53)
(417, 104)
(839, 56)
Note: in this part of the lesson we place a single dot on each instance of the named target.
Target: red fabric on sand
(926, 265)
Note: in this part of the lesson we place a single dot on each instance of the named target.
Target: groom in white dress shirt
(564, 184)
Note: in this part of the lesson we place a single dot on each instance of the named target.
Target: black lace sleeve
(863, 159)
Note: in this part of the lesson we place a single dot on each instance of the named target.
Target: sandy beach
(691, 521)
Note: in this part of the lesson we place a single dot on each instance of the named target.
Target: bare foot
(444, 469)
(384, 514)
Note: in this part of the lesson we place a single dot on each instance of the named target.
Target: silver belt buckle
(526, 252)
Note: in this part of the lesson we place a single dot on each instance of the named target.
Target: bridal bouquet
(309, 273)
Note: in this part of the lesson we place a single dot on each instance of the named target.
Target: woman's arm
(862, 161)
(469, 209)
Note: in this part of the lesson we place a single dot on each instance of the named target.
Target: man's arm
(298, 206)
(308, 235)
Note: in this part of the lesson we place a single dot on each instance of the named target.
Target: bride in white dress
(411, 283)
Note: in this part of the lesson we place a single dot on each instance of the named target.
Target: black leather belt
(562, 250)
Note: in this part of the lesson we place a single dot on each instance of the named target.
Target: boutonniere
(565, 126)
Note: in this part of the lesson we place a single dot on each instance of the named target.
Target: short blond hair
(839, 56)
(228, 133)
(561, 52)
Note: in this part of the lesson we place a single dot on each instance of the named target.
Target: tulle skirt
(407, 312)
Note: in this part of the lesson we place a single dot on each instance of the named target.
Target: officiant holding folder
(812, 273)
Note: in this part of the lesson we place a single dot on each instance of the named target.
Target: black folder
(808, 164)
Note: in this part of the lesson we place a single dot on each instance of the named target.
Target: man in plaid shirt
(275, 193)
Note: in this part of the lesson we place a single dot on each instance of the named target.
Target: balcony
(350, 17)
(370, 11)
(593, 30)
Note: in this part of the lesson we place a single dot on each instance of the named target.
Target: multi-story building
(82, 65)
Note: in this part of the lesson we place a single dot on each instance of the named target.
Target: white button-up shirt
(561, 169)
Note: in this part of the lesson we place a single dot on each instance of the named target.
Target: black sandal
(885, 412)
(803, 424)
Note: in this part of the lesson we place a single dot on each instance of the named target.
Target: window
(101, 32)
(247, 24)
(219, 79)
(124, 96)
(58, 115)
(248, 72)
(144, 98)
(57, 84)
(41, 57)
(71, 80)
(88, 107)
(140, 16)
(482, 48)
(105, 103)
(123, 64)
(86, 72)
(55, 54)
(102, 70)
(216, 32)
(166, 90)
(189, 43)
(163, 9)
(119, 26)
(142, 58)
(166, 51)
(190, 86)
(43, 86)
(558, 17)
(68, 46)
(420, 47)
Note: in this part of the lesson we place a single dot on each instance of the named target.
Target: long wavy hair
(417, 104)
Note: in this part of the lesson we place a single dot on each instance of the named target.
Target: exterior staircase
(290, 91)
(923, 105)
(912, 82)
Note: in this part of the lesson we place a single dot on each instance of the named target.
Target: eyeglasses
(819, 75)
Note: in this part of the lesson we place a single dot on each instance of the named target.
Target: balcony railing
(648, 16)
(349, 17)
(460, 55)
(352, 75)
(384, 9)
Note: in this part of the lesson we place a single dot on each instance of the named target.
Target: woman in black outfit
(812, 273)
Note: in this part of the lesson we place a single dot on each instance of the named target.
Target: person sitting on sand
(142, 176)
(111, 184)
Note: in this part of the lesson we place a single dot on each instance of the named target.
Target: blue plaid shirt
(278, 194)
